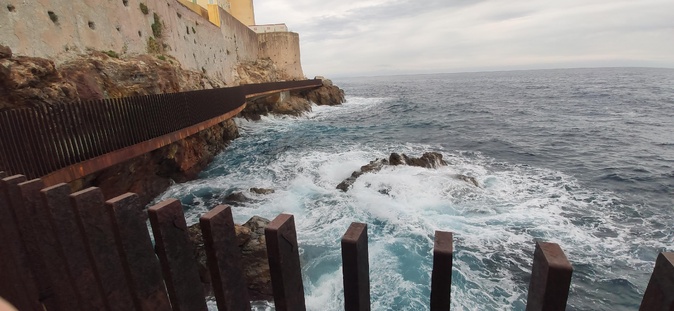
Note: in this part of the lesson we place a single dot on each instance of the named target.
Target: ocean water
(579, 157)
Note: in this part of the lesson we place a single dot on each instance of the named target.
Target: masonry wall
(74, 26)
(283, 48)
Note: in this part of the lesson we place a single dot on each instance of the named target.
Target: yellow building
(243, 11)
(224, 4)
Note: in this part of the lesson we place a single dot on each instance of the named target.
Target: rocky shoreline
(29, 81)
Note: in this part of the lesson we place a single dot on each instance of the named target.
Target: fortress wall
(120, 26)
(283, 48)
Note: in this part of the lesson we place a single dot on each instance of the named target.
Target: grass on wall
(157, 26)
(144, 9)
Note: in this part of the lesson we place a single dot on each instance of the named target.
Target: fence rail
(63, 251)
(40, 140)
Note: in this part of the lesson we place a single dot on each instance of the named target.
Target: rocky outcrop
(101, 76)
(152, 173)
(251, 241)
(29, 81)
(328, 94)
(427, 160)
(262, 190)
(285, 103)
(5, 52)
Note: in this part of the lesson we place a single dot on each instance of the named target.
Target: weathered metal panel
(175, 254)
(659, 294)
(18, 280)
(24, 212)
(58, 282)
(64, 221)
(284, 264)
(101, 247)
(356, 268)
(441, 277)
(224, 259)
(135, 248)
(550, 279)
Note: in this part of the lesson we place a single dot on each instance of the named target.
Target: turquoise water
(583, 158)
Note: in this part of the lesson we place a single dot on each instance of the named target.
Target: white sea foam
(495, 225)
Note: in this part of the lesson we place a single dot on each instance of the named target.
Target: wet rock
(251, 241)
(254, 257)
(427, 160)
(237, 197)
(328, 94)
(285, 103)
(262, 190)
(372, 167)
(468, 179)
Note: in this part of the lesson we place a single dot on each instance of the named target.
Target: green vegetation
(157, 26)
(193, 31)
(153, 46)
(144, 9)
(53, 17)
(111, 53)
(162, 57)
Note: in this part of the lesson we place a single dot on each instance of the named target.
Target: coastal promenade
(64, 142)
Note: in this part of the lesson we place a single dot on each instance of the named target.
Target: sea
(579, 157)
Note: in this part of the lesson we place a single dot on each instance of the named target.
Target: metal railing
(36, 141)
(63, 251)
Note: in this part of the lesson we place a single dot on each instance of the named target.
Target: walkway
(65, 142)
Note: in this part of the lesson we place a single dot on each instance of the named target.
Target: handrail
(67, 141)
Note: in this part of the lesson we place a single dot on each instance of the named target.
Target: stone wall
(283, 48)
(62, 29)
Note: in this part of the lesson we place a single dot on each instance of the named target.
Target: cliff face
(30, 81)
(26, 81)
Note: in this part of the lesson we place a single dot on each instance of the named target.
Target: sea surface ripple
(580, 157)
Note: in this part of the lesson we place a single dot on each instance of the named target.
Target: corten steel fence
(39, 140)
(76, 251)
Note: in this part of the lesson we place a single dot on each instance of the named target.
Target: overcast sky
(380, 37)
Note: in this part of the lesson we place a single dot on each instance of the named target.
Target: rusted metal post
(356, 268)
(441, 277)
(284, 264)
(71, 240)
(659, 294)
(58, 279)
(24, 212)
(175, 255)
(100, 243)
(18, 283)
(135, 248)
(224, 259)
(550, 279)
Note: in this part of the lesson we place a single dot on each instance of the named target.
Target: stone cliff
(26, 81)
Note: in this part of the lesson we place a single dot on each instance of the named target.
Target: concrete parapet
(283, 48)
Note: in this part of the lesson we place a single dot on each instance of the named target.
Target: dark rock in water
(237, 197)
(262, 190)
(372, 167)
(396, 159)
(328, 94)
(254, 257)
(199, 252)
(468, 179)
(250, 239)
(427, 160)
